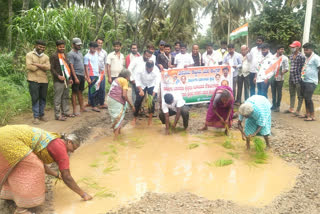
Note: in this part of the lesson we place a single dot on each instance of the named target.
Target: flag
(97, 83)
(64, 67)
(274, 69)
(241, 31)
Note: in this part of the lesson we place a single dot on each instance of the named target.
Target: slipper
(103, 107)
(84, 110)
(309, 119)
(69, 115)
(96, 110)
(61, 119)
(288, 112)
(76, 114)
(302, 116)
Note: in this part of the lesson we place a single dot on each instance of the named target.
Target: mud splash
(145, 160)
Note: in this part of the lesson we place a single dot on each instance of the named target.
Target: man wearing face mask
(277, 81)
(254, 55)
(263, 63)
(136, 66)
(222, 52)
(297, 61)
(309, 76)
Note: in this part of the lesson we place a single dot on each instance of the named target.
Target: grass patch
(94, 164)
(227, 144)
(193, 146)
(194, 115)
(260, 157)
(109, 169)
(104, 153)
(223, 162)
(233, 154)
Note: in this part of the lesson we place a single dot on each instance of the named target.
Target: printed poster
(196, 84)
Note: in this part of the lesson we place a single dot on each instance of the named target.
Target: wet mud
(145, 160)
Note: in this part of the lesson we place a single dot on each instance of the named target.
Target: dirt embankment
(294, 140)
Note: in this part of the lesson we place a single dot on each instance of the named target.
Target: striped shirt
(296, 67)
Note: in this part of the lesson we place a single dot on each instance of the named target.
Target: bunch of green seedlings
(220, 163)
(227, 144)
(260, 156)
(102, 192)
(149, 101)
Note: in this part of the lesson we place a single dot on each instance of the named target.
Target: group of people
(25, 151)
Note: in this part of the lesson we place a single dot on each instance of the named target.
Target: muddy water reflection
(147, 160)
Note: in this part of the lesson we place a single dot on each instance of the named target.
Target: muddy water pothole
(146, 160)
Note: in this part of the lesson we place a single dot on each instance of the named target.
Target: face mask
(258, 45)
(293, 50)
(264, 53)
(223, 50)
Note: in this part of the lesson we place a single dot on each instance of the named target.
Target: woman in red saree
(220, 111)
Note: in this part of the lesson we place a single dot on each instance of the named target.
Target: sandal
(288, 112)
(23, 211)
(309, 119)
(96, 110)
(61, 118)
(296, 114)
(303, 116)
(69, 115)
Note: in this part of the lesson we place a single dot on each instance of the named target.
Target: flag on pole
(97, 83)
(241, 31)
(64, 67)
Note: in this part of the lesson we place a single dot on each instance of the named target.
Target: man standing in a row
(115, 62)
(102, 56)
(255, 54)
(37, 64)
(133, 55)
(164, 59)
(75, 58)
(277, 81)
(297, 61)
(244, 75)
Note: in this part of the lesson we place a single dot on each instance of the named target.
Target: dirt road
(292, 139)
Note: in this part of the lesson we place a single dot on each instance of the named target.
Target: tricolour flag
(97, 84)
(274, 68)
(64, 67)
(241, 31)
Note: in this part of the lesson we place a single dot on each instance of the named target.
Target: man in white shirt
(115, 61)
(244, 75)
(233, 59)
(173, 104)
(133, 55)
(277, 81)
(183, 59)
(263, 63)
(102, 55)
(136, 66)
(147, 81)
(255, 54)
(209, 58)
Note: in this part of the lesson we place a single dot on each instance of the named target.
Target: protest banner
(196, 84)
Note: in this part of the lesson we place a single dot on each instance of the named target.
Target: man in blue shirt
(91, 66)
(309, 76)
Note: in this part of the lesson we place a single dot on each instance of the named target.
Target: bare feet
(203, 128)
(134, 121)
(22, 211)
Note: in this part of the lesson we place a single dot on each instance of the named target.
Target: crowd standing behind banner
(218, 77)
(257, 68)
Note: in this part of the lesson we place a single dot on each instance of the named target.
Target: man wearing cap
(161, 48)
(310, 78)
(297, 62)
(37, 64)
(75, 58)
